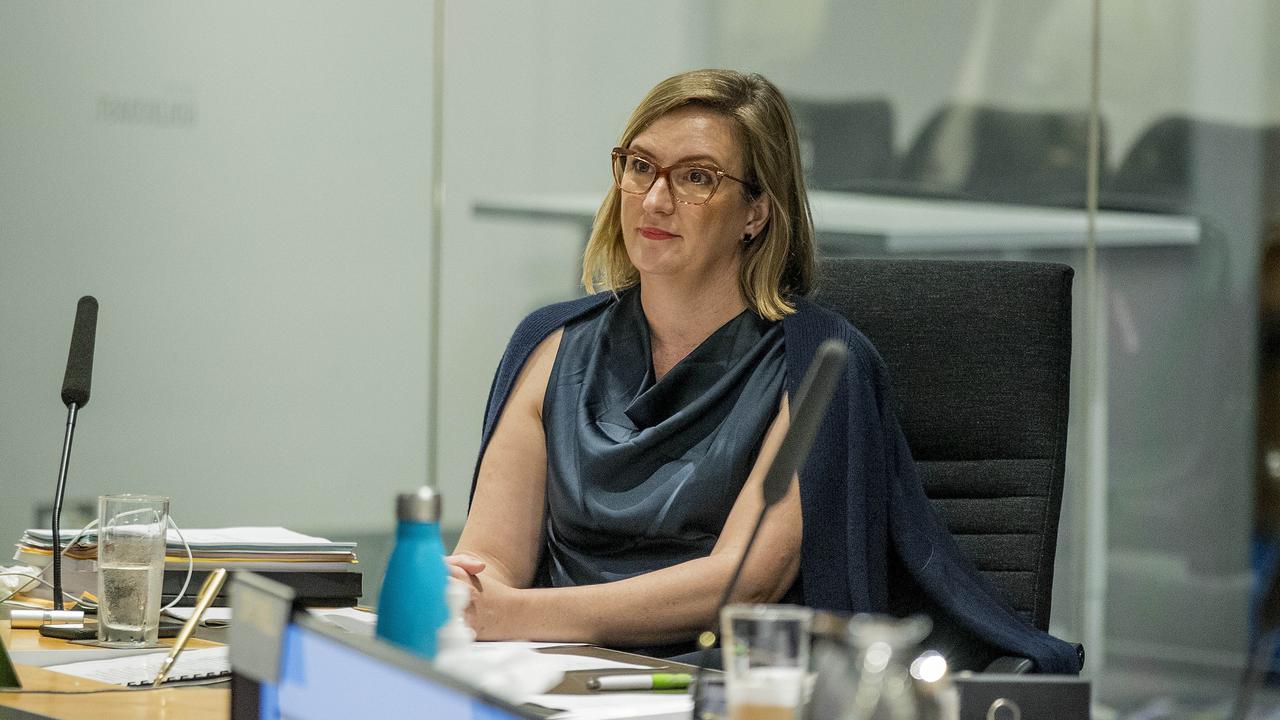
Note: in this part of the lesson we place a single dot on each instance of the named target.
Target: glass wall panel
(954, 130)
(972, 144)
(1188, 92)
(535, 96)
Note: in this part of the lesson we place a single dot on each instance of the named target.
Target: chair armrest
(1009, 665)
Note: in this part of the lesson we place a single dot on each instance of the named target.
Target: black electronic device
(988, 696)
(8, 674)
(810, 406)
(75, 395)
(340, 588)
(89, 630)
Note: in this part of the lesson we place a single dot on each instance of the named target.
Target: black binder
(328, 589)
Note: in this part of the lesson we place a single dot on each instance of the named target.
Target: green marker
(647, 681)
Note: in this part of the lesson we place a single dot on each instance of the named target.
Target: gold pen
(204, 599)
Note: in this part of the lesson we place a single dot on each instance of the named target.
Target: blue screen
(321, 677)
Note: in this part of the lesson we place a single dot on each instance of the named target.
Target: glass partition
(976, 113)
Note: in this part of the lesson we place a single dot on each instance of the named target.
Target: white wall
(244, 187)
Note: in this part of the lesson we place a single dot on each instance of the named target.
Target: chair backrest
(979, 357)
(844, 141)
(1218, 171)
(982, 152)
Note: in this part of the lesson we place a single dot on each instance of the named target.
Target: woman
(628, 432)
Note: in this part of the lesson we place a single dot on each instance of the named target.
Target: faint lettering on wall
(146, 111)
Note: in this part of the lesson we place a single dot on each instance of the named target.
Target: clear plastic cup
(131, 542)
(766, 660)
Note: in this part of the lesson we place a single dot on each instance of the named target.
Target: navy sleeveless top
(642, 473)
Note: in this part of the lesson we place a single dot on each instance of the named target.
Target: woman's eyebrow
(679, 161)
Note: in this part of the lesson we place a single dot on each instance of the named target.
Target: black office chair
(844, 141)
(1189, 165)
(981, 152)
(979, 355)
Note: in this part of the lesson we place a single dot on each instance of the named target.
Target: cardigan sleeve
(533, 329)
(956, 592)
(872, 541)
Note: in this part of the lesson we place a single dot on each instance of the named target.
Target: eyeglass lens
(689, 183)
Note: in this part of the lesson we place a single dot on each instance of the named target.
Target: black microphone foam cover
(75, 384)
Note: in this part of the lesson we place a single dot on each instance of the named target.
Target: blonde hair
(778, 262)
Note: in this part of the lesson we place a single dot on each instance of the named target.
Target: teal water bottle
(412, 605)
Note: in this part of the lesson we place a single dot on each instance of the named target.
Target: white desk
(895, 225)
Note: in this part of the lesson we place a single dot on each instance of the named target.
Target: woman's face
(701, 243)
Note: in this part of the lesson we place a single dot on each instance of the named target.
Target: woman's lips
(656, 234)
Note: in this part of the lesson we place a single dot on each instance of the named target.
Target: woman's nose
(659, 199)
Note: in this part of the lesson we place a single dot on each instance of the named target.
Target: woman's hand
(490, 610)
(463, 566)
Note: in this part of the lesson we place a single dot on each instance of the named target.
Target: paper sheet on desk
(617, 705)
(360, 622)
(213, 617)
(357, 622)
(557, 661)
(134, 669)
(75, 651)
(515, 671)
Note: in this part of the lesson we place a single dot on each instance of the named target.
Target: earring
(747, 238)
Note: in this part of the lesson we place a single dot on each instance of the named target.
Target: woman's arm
(666, 605)
(504, 527)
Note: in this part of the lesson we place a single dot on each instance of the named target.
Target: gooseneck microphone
(75, 383)
(75, 395)
(811, 401)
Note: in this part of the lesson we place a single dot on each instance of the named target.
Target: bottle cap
(420, 506)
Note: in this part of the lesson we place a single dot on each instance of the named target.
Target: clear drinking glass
(766, 660)
(131, 541)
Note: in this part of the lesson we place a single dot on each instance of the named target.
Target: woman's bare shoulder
(531, 384)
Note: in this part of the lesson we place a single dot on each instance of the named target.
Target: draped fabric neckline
(699, 379)
(642, 472)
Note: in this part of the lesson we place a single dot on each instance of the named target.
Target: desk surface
(197, 703)
(915, 225)
(202, 703)
(30, 642)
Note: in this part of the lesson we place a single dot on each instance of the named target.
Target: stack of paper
(320, 571)
(242, 548)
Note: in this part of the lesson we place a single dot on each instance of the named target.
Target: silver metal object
(36, 618)
(1014, 712)
(420, 506)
